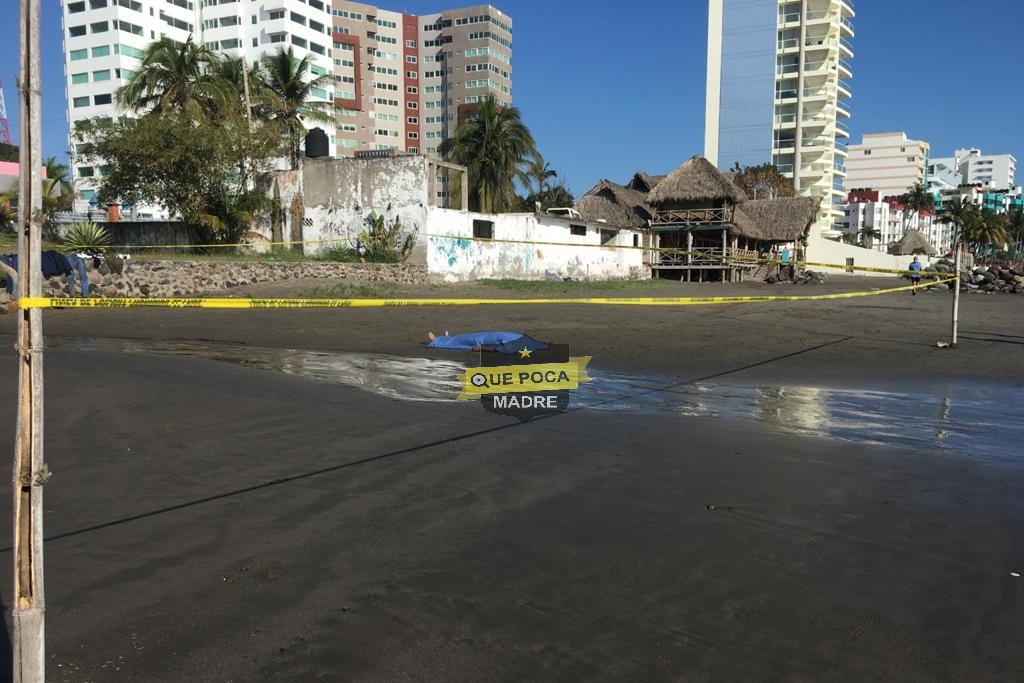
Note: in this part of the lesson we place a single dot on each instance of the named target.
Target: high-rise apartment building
(105, 39)
(889, 163)
(402, 81)
(778, 76)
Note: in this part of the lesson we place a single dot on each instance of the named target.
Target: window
(101, 51)
(636, 240)
(254, 18)
(78, 79)
(413, 135)
(102, 99)
(233, 20)
(318, 92)
(278, 37)
(86, 171)
(301, 42)
(76, 31)
(608, 235)
(867, 152)
(80, 102)
(76, 55)
(483, 229)
(319, 49)
(578, 230)
(347, 143)
(97, 4)
(412, 120)
(276, 14)
(130, 51)
(412, 105)
(910, 159)
(410, 43)
(99, 27)
(103, 75)
(412, 90)
(412, 150)
(412, 75)
(129, 28)
(410, 59)
(316, 4)
(76, 7)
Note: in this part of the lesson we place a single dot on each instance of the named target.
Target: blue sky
(611, 88)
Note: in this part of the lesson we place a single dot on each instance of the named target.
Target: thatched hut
(644, 182)
(912, 243)
(695, 185)
(782, 220)
(618, 206)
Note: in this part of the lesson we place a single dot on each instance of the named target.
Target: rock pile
(192, 278)
(994, 279)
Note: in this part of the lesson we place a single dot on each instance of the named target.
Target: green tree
(193, 168)
(175, 77)
(9, 152)
(957, 212)
(58, 187)
(985, 231)
(763, 182)
(290, 97)
(1015, 230)
(541, 173)
(496, 148)
(919, 198)
(554, 196)
(8, 214)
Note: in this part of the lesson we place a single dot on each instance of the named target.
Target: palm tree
(174, 77)
(231, 73)
(58, 186)
(958, 212)
(1015, 229)
(496, 147)
(918, 199)
(290, 97)
(541, 172)
(985, 229)
(867, 237)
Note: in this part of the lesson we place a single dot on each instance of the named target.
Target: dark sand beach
(800, 491)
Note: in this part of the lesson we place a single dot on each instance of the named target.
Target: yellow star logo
(525, 353)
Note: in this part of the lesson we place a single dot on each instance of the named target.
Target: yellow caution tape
(45, 302)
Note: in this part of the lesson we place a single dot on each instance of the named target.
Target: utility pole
(28, 604)
(956, 292)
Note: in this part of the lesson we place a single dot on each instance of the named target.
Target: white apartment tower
(104, 40)
(778, 77)
(889, 163)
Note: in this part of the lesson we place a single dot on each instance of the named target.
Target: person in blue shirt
(915, 274)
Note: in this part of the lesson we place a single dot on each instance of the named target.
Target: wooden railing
(691, 216)
(705, 256)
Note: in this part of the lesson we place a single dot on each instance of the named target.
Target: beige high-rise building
(402, 81)
(889, 163)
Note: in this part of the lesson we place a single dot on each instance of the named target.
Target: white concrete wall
(820, 250)
(452, 257)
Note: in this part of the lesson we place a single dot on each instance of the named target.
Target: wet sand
(214, 522)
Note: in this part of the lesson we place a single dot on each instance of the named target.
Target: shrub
(86, 236)
(382, 241)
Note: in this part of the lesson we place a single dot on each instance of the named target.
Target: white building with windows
(778, 81)
(105, 39)
(996, 171)
(879, 222)
(889, 163)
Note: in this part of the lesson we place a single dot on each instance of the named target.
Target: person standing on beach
(915, 274)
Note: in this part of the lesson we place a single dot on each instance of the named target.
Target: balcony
(842, 130)
(841, 147)
(813, 170)
(691, 217)
(819, 92)
(846, 25)
(783, 146)
(845, 89)
(785, 95)
(785, 120)
(844, 66)
(787, 69)
(846, 47)
(788, 44)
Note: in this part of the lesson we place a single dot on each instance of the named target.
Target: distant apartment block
(778, 77)
(889, 163)
(996, 171)
(880, 220)
(105, 39)
(402, 81)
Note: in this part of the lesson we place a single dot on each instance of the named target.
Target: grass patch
(342, 290)
(574, 285)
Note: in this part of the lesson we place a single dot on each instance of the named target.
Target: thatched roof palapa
(695, 181)
(644, 182)
(785, 219)
(911, 242)
(615, 205)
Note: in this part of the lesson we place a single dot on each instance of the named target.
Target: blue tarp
(502, 342)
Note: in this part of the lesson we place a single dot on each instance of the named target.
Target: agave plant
(86, 236)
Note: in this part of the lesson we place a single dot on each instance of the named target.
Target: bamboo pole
(28, 605)
(956, 296)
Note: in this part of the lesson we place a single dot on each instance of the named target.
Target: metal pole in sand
(28, 604)
(956, 296)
